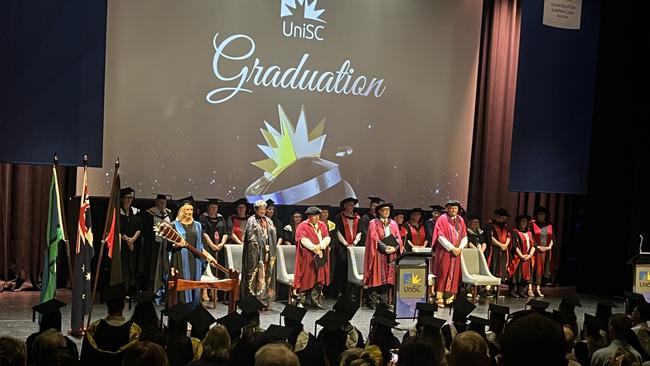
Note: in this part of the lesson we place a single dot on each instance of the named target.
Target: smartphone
(394, 357)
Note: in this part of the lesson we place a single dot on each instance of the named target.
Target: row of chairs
(475, 270)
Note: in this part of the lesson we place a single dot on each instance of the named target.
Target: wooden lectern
(231, 285)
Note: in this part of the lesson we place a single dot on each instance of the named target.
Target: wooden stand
(230, 285)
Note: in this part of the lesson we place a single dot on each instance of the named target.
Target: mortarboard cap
(538, 305)
(502, 212)
(250, 304)
(522, 217)
(431, 321)
(294, 313)
(145, 297)
(375, 199)
(277, 332)
(395, 213)
(604, 310)
(416, 210)
(349, 199)
(312, 211)
(384, 205)
(178, 312)
(241, 201)
(423, 308)
(462, 308)
(270, 203)
(214, 201)
(113, 293)
(383, 311)
(387, 322)
(161, 196)
(594, 323)
(127, 192)
(47, 307)
(189, 200)
(233, 322)
(346, 307)
(331, 321)
(563, 318)
(498, 310)
(437, 208)
(478, 324)
(632, 299)
(568, 304)
(452, 203)
(201, 320)
(472, 216)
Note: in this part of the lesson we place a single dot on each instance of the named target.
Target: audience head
(12, 352)
(569, 338)
(145, 353)
(416, 352)
(276, 354)
(619, 326)
(216, 345)
(114, 297)
(372, 352)
(51, 348)
(641, 313)
(533, 328)
(469, 348)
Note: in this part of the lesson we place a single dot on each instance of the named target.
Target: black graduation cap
(434, 322)
(537, 305)
(127, 191)
(502, 212)
(632, 299)
(250, 304)
(387, 322)
(47, 307)
(462, 308)
(233, 322)
(331, 321)
(349, 199)
(437, 208)
(178, 312)
(395, 213)
(563, 318)
(604, 310)
(452, 203)
(201, 320)
(241, 201)
(423, 308)
(161, 196)
(312, 211)
(113, 293)
(383, 311)
(346, 307)
(189, 200)
(383, 205)
(214, 201)
(592, 322)
(478, 324)
(472, 216)
(277, 332)
(375, 199)
(294, 313)
(498, 311)
(145, 297)
(568, 304)
(416, 209)
(522, 217)
(270, 203)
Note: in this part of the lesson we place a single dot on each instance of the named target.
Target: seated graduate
(146, 317)
(51, 348)
(462, 309)
(216, 348)
(332, 338)
(107, 340)
(381, 335)
(250, 309)
(497, 315)
(234, 323)
(422, 310)
(201, 321)
(300, 340)
(180, 348)
(430, 333)
(50, 319)
(347, 308)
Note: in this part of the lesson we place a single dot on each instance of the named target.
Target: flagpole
(63, 226)
(101, 248)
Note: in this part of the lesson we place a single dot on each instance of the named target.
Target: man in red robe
(348, 233)
(449, 239)
(312, 249)
(378, 273)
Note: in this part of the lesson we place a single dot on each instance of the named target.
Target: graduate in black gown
(216, 230)
(180, 348)
(50, 319)
(237, 222)
(107, 340)
(381, 335)
(131, 229)
(150, 242)
(347, 309)
(430, 224)
(146, 317)
(301, 341)
(289, 230)
(348, 234)
(273, 215)
(365, 219)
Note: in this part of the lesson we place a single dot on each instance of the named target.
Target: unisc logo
(311, 28)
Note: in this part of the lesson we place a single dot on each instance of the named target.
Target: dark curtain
(24, 198)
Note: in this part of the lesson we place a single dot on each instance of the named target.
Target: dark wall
(554, 104)
(52, 80)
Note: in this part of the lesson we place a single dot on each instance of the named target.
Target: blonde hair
(179, 214)
(216, 345)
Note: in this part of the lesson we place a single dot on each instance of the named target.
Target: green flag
(54, 235)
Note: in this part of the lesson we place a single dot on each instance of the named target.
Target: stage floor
(16, 313)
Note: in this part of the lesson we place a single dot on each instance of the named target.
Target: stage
(16, 313)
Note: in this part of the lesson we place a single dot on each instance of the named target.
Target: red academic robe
(376, 268)
(417, 235)
(305, 274)
(543, 260)
(446, 266)
(525, 268)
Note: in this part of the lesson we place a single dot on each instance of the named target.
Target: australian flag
(82, 287)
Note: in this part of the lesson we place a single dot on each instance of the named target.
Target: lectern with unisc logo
(640, 264)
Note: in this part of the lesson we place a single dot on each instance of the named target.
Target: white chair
(286, 262)
(355, 267)
(234, 257)
(476, 272)
(431, 278)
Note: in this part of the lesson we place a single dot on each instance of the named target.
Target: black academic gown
(106, 345)
(151, 244)
(132, 260)
(69, 344)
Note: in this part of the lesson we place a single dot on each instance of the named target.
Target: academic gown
(377, 270)
(132, 260)
(105, 344)
(446, 266)
(521, 271)
(236, 227)
(306, 276)
(543, 235)
(216, 228)
(70, 346)
(417, 236)
(151, 243)
(258, 233)
(497, 259)
(347, 231)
